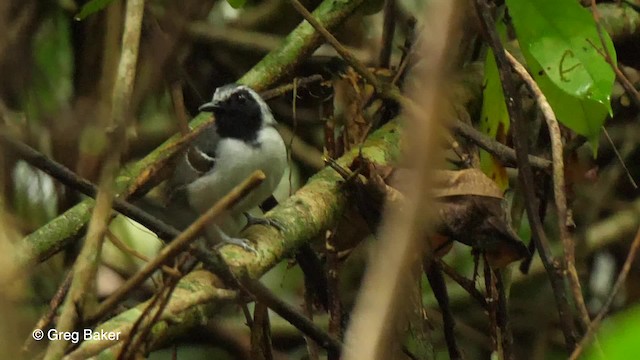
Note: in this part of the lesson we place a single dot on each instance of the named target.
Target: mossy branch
(316, 206)
(301, 42)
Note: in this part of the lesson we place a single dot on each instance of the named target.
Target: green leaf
(619, 336)
(564, 53)
(91, 7)
(237, 4)
(494, 119)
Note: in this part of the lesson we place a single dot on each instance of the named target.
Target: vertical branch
(307, 309)
(387, 283)
(142, 327)
(125, 76)
(502, 317)
(333, 295)
(433, 269)
(491, 301)
(388, 30)
(82, 284)
(525, 174)
(261, 333)
(558, 187)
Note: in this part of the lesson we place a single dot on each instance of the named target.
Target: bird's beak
(209, 107)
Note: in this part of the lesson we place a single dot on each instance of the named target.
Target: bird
(241, 140)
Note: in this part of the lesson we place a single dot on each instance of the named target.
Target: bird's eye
(240, 97)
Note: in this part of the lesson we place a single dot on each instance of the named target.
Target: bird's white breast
(235, 161)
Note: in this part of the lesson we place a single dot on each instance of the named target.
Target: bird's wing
(197, 160)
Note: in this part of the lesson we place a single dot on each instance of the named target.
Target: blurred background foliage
(57, 73)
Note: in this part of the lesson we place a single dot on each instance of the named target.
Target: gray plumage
(243, 139)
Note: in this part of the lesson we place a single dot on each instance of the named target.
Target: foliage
(563, 49)
(91, 7)
(236, 4)
(618, 336)
(70, 77)
(494, 119)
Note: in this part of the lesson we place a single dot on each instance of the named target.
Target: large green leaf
(563, 50)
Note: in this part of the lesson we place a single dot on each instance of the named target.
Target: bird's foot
(253, 220)
(241, 242)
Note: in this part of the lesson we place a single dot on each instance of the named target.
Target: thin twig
(620, 159)
(287, 312)
(133, 341)
(261, 347)
(73, 181)
(388, 30)
(525, 174)
(126, 249)
(559, 194)
(502, 317)
(344, 53)
(179, 244)
(433, 270)
(622, 277)
(490, 288)
(313, 349)
(180, 111)
(333, 294)
(628, 86)
(54, 304)
(283, 89)
(504, 153)
(86, 265)
(381, 305)
(386, 90)
(300, 149)
(468, 285)
(407, 51)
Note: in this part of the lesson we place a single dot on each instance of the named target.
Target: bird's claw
(243, 243)
(253, 220)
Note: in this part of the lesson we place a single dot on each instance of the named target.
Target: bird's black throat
(239, 117)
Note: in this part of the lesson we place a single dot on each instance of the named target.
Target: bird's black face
(238, 115)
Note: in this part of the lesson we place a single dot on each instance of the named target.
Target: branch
(180, 243)
(287, 312)
(301, 42)
(559, 194)
(314, 207)
(190, 304)
(622, 277)
(525, 174)
(381, 305)
(82, 288)
(504, 153)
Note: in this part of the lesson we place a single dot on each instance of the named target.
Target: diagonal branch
(622, 277)
(301, 42)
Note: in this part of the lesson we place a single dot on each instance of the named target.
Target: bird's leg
(223, 239)
(254, 220)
